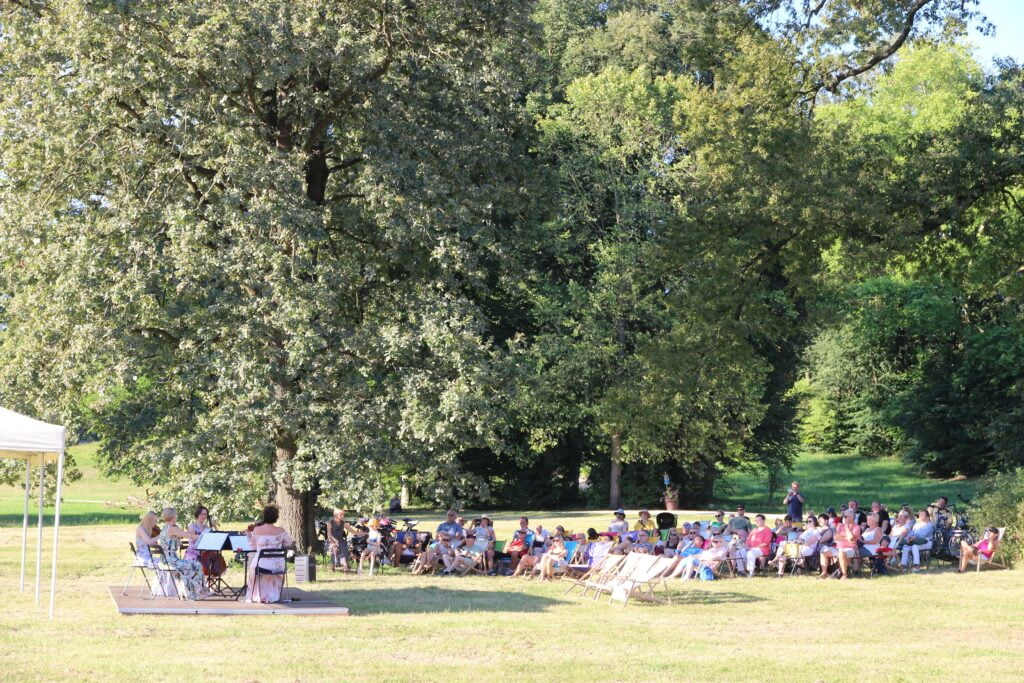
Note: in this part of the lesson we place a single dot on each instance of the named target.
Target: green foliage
(1002, 505)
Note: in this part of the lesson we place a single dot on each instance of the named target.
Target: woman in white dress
(267, 536)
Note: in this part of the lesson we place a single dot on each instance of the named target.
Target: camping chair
(991, 562)
(273, 554)
(140, 564)
(665, 521)
(168, 576)
(571, 548)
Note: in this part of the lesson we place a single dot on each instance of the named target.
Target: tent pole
(56, 532)
(24, 522)
(39, 535)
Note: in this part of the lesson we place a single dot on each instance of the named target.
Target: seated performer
(267, 536)
(190, 570)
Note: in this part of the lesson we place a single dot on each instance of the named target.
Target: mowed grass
(93, 499)
(827, 479)
(935, 626)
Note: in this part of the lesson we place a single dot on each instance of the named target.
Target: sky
(1008, 41)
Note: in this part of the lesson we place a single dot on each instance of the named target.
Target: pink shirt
(984, 549)
(842, 540)
(761, 538)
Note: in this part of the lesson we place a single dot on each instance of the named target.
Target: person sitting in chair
(406, 548)
(554, 559)
(759, 544)
(450, 526)
(986, 548)
(917, 540)
(620, 525)
(483, 542)
(847, 536)
(541, 541)
(806, 543)
(643, 544)
(267, 536)
(191, 571)
(645, 523)
(394, 505)
(428, 560)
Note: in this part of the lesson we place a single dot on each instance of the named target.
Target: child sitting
(882, 556)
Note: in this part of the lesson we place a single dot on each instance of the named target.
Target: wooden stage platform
(302, 603)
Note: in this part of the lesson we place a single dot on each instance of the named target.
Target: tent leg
(39, 535)
(56, 532)
(24, 523)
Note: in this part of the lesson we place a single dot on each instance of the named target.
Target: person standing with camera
(794, 501)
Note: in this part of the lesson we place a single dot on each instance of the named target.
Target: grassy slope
(90, 500)
(834, 479)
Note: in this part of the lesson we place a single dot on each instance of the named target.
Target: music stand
(219, 541)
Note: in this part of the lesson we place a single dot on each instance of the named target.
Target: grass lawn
(933, 626)
(936, 625)
(835, 479)
(92, 499)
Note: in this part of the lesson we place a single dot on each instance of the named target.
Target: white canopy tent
(37, 443)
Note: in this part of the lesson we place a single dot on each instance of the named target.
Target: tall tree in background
(243, 239)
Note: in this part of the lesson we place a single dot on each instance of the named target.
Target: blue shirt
(453, 529)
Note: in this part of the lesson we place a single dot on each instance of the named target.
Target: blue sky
(1008, 41)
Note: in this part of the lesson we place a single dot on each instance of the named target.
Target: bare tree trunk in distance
(614, 485)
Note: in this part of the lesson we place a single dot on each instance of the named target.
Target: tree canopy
(295, 251)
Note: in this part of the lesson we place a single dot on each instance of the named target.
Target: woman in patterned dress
(190, 570)
(267, 536)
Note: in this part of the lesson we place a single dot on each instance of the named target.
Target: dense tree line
(302, 250)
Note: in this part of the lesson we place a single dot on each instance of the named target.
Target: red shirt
(761, 538)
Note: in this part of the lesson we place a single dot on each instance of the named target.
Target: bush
(1003, 505)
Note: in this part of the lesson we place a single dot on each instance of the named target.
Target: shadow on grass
(434, 599)
(701, 597)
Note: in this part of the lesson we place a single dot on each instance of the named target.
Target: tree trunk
(296, 507)
(614, 485)
(406, 496)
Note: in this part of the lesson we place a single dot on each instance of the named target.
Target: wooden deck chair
(140, 564)
(168, 576)
(992, 562)
(628, 569)
(604, 565)
(643, 583)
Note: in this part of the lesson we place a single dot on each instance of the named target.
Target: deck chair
(168, 577)
(275, 554)
(992, 562)
(604, 565)
(599, 573)
(571, 548)
(587, 555)
(627, 573)
(142, 566)
(643, 583)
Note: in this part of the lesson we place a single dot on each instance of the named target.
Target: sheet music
(212, 540)
(241, 543)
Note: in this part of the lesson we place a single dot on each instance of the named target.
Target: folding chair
(991, 562)
(140, 564)
(596, 573)
(168, 576)
(273, 554)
